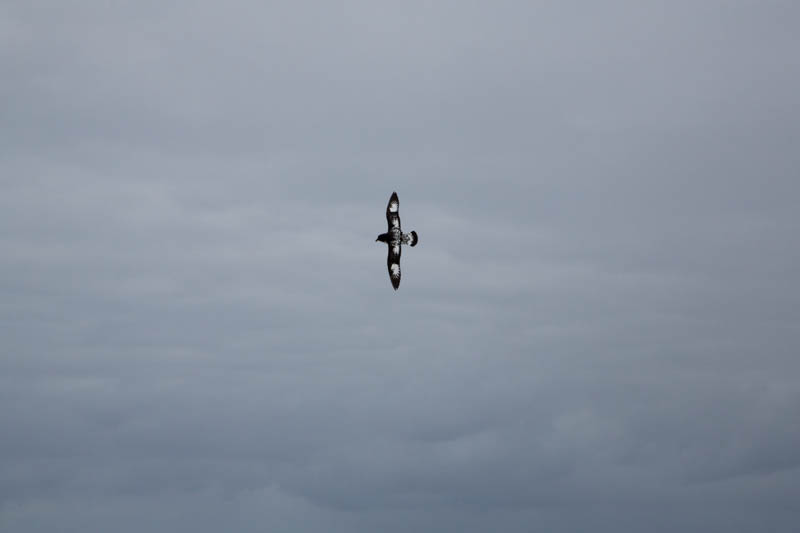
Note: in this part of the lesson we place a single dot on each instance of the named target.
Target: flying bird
(395, 239)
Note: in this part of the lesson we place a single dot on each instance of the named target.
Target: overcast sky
(598, 330)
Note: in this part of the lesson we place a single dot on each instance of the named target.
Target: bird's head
(383, 237)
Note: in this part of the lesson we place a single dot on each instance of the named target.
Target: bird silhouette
(395, 239)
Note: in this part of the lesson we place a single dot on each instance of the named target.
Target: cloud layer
(597, 332)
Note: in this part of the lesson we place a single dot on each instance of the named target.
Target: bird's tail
(412, 238)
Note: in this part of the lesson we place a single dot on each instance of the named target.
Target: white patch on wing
(395, 250)
(395, 222)
(395, 268)
(393, 207)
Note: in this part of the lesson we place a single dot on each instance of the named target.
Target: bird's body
(395, 239)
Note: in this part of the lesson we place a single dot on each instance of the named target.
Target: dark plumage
(395, 239)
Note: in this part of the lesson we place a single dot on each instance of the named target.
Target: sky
(598, 330)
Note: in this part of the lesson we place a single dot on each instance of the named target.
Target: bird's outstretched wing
(393, 212)
(393, 263)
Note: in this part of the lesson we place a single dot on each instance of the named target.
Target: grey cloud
(596, 332)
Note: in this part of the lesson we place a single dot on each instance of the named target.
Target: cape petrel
(395, 239)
